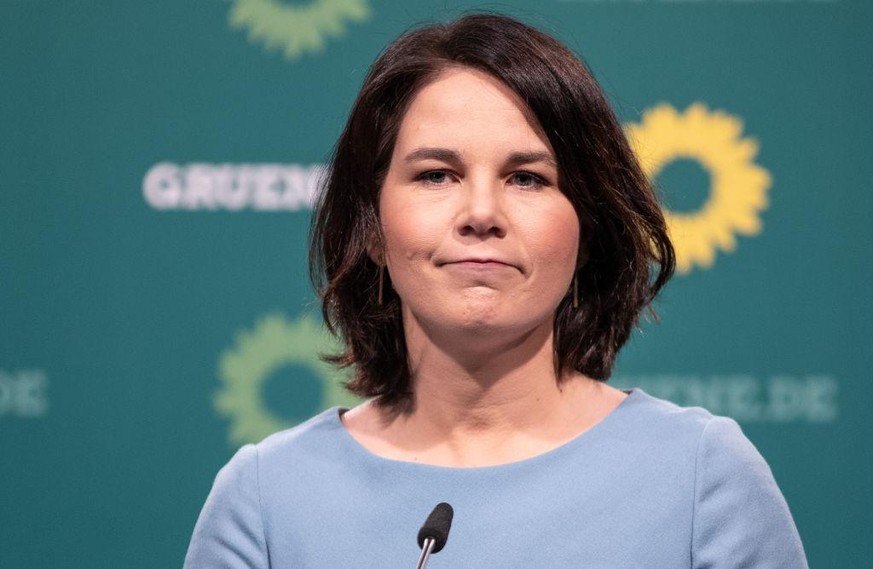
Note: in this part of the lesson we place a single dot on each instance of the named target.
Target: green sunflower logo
(244, 369)
(296, 29)
(738, 193)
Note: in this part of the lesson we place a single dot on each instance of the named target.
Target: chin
(481, 316)
(497, 325)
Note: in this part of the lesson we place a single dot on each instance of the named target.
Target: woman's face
(477, 234)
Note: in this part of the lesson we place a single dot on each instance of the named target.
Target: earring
(575, 292)
(381, 283)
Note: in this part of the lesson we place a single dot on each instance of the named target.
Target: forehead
(470, 107)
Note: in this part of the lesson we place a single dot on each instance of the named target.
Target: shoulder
(229, 531)
(311, 433)
(715, 445)
(655, 440)
(286, 455)
(233, 524)
(284, 449)
(710, 435)
(653, 421)
(718, 443)
(290, 445)
(739, 516)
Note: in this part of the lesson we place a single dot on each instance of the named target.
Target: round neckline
(592, 433)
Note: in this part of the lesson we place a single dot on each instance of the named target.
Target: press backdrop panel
(158, 161)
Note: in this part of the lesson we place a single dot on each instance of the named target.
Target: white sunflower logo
(296, 29)
(257, 355)
(738, 191)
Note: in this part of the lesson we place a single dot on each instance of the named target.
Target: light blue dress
(652, 485)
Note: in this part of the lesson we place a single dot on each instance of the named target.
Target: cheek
(557, 239)
(407, 230)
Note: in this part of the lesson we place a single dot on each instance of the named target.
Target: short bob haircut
(622, 228)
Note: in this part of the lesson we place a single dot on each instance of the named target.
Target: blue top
(651, 485)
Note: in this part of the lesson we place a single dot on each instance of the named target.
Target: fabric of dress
(652, 485)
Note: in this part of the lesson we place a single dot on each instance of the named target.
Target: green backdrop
(157, 160)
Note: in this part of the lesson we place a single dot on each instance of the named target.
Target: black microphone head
(437, 526)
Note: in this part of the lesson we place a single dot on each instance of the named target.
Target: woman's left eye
(527, 180)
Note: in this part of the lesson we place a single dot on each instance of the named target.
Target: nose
(482, 209)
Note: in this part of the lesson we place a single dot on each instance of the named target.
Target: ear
(375, 249)
(376, 254)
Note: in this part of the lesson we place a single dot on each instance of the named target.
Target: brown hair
(623, 230)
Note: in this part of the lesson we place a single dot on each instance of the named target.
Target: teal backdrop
(157, 162)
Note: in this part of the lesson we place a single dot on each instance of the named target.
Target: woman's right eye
(434, 177)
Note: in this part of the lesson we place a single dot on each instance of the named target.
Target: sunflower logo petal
(243, 370)
(738, 193)
(296, 30)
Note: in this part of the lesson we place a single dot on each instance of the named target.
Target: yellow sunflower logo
(257, 355)
(738, 191)
(296, 29)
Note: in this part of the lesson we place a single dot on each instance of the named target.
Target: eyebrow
(519, 158)
(427, 153)
(452, 156)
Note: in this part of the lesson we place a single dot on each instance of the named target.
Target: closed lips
(474, 262)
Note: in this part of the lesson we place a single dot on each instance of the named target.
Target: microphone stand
(425, 552)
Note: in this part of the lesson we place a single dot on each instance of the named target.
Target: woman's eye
(435, 177)
(527, 180)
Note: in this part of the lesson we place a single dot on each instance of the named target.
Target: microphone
(434, 533)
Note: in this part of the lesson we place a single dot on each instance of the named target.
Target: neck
(482, 399)
(467, 385)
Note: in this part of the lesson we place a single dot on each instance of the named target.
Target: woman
(487, 241)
